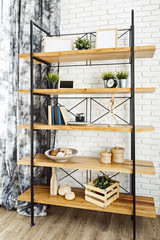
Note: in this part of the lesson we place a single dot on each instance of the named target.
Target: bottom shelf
(144, 205)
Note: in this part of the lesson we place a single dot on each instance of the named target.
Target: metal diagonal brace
(109, 110)
(73, 177)
(68, 174)
(114, 176)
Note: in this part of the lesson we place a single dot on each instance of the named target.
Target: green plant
(122, 75)
(82, 43)
(108, 75)
(102, 182)
(52, 77)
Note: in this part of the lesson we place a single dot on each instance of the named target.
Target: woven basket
(117, 154)
(105, 157)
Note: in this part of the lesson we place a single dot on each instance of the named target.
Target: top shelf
(90, 54)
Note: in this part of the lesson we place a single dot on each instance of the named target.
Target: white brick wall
(82, 16)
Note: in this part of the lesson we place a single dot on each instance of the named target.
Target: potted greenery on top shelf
(123, 78)
(52, 79)
(82, 43)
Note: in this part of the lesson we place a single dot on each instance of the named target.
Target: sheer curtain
(15, 16)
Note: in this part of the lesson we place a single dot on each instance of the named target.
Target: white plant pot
(123, 83)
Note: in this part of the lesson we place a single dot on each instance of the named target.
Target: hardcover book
(49, 115)
(65, 115)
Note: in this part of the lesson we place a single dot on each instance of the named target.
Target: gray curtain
(15, 16)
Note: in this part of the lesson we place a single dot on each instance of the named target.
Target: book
(53, 115)
(56, 115)
(78, 123)
(43, 109)
(49, 115)
(65, 115)
(60, 119)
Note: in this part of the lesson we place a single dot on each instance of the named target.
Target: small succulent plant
(82, 43)
(52, 77)
(102, 182)
(108, 75)
(122, 75)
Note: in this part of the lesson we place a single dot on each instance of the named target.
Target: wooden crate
(102, 197)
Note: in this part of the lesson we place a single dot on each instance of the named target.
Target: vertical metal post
(86, 176)
(49, 170)
(132, 120)
(86, 109)
(90, 110)
(90, 175)
(31, 112)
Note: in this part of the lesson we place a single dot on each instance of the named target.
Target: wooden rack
(126, 204)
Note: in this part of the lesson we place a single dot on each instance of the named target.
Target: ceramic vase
(54, 183)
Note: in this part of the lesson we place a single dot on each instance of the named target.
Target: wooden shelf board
(89, 127)
(88, 91)
(92, 163)
(124, 205)
(91, 54)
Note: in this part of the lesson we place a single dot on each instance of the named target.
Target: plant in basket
(102, 182)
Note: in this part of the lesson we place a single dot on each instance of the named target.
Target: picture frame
(107, 38)
(57, 44)
(65, 83)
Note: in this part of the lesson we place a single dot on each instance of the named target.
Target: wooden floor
(75, 224)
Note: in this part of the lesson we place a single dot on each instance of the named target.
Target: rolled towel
(69, 195)
(63, 189)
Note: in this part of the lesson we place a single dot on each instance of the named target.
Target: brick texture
(92, 15)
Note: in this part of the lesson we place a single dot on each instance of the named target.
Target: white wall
(83, 16)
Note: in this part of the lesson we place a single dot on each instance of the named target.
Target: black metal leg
(132, 119)
(31, 112)
(49, 170)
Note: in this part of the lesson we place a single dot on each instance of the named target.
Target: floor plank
(63, 223)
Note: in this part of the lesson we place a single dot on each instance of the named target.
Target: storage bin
(105, 157)
(117, 154)
(102, 197)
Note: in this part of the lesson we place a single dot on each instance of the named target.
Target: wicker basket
(117, 154)
(102, 197)
(105, 157)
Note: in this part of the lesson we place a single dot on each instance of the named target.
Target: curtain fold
(15, 16)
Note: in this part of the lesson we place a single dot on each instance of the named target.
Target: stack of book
(57, 115)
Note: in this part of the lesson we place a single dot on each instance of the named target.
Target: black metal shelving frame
(131, 98)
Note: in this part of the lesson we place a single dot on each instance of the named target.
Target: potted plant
(82, 43)
(110, 81)
(52, 79)
(123, 78)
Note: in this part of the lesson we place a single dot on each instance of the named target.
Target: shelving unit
(126, 204)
